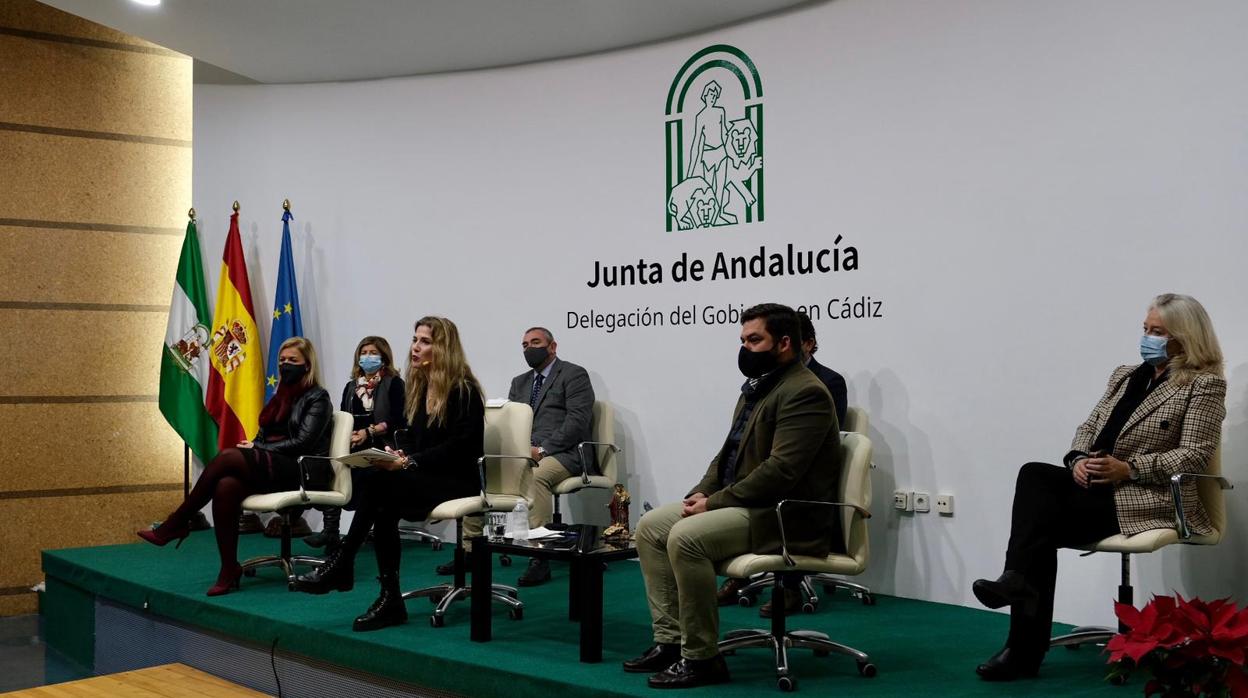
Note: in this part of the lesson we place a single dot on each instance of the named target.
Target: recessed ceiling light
(146, 3)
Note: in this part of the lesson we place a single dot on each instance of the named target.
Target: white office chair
(505, 473)
(856, 422)
(292, 503)
(854, 492)
(1209, 486)
(601, 446)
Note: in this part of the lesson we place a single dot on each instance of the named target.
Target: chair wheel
(437, 621)
(504, 560)
(290, 586)
(745, 600)
(788, 684)
(868, 600)
(436, 545)
(808, 607)
(866, 670)
(516, 614)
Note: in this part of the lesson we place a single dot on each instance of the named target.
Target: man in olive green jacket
(782, 444)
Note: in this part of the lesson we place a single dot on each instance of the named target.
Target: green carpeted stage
(918, 646)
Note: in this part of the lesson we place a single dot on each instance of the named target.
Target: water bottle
(519, 524)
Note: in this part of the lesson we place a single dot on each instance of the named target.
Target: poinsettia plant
(1188, 648)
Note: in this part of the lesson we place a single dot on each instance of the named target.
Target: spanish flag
(236, 385)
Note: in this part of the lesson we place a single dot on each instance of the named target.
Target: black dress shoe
(1008, 665)
(538, 572)
(1008, 589)
(730, 590)
(792, 604)
(448, 568)
(691, 673)
(659, 657)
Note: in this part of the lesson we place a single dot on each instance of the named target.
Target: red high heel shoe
(164, 533)
(227, 580)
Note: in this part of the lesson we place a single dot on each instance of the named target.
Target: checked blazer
(1176, 429)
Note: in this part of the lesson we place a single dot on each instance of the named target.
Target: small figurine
(618, 530)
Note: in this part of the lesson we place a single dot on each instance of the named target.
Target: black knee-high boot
(328, 537)
(387, 610)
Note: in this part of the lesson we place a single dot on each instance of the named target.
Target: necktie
(537, 388)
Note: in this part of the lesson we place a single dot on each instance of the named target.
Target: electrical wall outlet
(922, 502)
(944, 504)
(901, 500)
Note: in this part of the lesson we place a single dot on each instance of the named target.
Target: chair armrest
(485, 501)
(1176, 494)
(784, 541)
(580, 448)
(303, 475)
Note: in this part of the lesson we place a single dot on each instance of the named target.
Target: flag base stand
(199, 522)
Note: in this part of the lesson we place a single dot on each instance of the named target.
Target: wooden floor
(170, 680)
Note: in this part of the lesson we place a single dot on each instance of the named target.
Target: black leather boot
(1009, 665)
(337, 574)
(658, 657)
(328, 537)
(1007, 590)
(387, 610)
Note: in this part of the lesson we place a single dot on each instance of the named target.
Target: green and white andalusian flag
(185, 365)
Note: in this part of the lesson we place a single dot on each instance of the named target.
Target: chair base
(284, 559)
(1084, 635)
(831, 583)
(446, 594)
(780, 640)
(420, 534)
(749, 593)
(820, 643)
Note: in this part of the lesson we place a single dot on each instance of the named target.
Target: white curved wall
(1018, 179)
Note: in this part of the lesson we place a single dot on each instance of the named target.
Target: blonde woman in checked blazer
(1161, 417)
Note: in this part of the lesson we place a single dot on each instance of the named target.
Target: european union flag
(286, 322)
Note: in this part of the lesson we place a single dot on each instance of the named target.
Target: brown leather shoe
(792, 604)
(727, 594)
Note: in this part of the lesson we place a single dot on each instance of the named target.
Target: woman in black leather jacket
(295, 422)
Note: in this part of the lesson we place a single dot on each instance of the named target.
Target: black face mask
(536, 356)
(292, 373)
(755, 364)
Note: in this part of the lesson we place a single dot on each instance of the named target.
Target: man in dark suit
(782, 444)
(834, 382)
(728, 591)
(563, 408)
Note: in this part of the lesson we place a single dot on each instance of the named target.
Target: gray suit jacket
(565, 409)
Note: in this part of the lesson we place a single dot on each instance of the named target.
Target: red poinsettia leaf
(1237, 681)
(1115, 648)
(1234, 655)
(1128, 614)
(1194, 616)
(1137, 649)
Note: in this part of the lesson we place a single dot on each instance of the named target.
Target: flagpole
(198, 521)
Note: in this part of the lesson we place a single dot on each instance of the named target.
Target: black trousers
(1051, 511)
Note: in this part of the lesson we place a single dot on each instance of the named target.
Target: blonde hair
(304, 345)
(1192, 330)
(447, 370)
(383, 348)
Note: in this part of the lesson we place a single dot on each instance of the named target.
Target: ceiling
(292, 41)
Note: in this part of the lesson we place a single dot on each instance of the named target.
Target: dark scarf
(277, 411)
